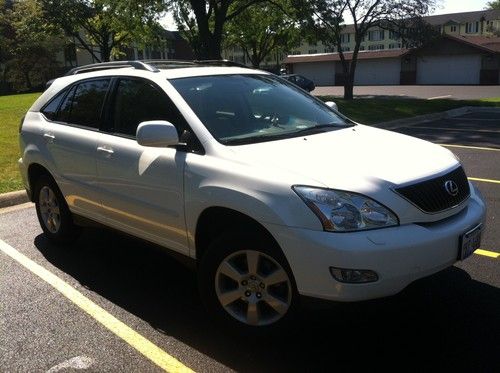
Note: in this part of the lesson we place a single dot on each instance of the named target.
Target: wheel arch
(215, 220)
(35, 170)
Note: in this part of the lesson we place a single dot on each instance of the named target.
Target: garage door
(460, 69)
(321, 73)
(384, 71)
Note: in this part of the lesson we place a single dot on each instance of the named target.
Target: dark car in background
(301, 81)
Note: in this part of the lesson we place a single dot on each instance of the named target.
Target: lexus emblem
(451, 187)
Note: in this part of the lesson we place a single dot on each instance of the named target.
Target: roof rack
(150, 65)
(112, 65)
(219, 63)
(193, 63)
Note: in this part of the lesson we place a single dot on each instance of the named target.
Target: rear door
(70, 132)
(142, 187)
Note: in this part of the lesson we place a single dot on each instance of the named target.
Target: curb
(394, 124)
(13, 198)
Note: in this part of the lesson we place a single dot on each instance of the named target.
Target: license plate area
(470, 242)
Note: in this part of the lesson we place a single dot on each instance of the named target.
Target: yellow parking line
(490, 254)
(134, 339)
(470, 147)
(484, 180)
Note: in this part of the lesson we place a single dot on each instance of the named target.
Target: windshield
(243, 109)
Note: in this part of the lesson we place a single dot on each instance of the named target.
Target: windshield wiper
(304, 131)
(321, 128)
(258, 138)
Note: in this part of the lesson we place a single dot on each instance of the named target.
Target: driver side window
(138, 100)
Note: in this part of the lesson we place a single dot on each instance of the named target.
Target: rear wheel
(246, 282)
(53, 212)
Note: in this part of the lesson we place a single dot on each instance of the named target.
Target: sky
(443, 7)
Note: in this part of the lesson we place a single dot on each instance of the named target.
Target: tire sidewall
(67, 229)
(220, 249)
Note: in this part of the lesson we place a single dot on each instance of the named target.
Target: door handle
(49, 136)
(104, 149)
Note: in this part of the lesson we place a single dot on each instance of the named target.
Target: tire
(53, 212)
(258, 298)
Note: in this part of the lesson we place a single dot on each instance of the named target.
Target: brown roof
(441, 19)
(489, 43)
(363, 55)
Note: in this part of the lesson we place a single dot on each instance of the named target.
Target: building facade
(468, 52)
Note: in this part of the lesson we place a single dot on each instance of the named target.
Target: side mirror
(157, 133)
(332, 105)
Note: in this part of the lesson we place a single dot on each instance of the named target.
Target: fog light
(353, 276)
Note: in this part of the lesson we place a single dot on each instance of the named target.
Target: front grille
(431, 195)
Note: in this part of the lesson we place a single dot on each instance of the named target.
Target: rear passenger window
(138, 101)
(83, 104)
(87, 103)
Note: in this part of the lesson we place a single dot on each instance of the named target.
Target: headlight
(345, 211)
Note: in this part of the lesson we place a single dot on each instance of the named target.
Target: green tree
(261, 30)
(496, 6)
(103, 27)
(202, 22)
(326, 19)
(493, 4)
(29, 45)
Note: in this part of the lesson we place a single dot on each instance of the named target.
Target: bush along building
(467, 52)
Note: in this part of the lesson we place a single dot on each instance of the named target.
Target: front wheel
(247, 282)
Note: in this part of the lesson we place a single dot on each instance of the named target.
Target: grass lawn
(376, 110)
(12, 109)
(369, 111)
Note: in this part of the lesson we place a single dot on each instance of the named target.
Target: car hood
(360, 158)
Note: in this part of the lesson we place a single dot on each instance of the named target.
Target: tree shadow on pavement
(447, 320)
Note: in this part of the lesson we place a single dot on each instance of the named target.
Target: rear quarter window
(50, 109)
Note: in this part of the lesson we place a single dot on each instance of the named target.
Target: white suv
(270, 191)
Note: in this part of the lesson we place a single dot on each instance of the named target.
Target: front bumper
(399, 255)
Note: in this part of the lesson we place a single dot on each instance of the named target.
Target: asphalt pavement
(454, 92)
(450, 320)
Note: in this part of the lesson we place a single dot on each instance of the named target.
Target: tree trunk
(348, 89)
(105, 52)
(28, 80)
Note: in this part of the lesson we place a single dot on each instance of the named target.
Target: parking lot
(119, 304)
(455, 92)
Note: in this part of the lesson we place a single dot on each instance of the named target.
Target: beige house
(477, 23)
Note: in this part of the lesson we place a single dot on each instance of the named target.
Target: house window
(312, 51)
(472, 27)
(453, 28)
(345, 38)
(375, 47)
(376, 35)
(393, 35)
(313, 44)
